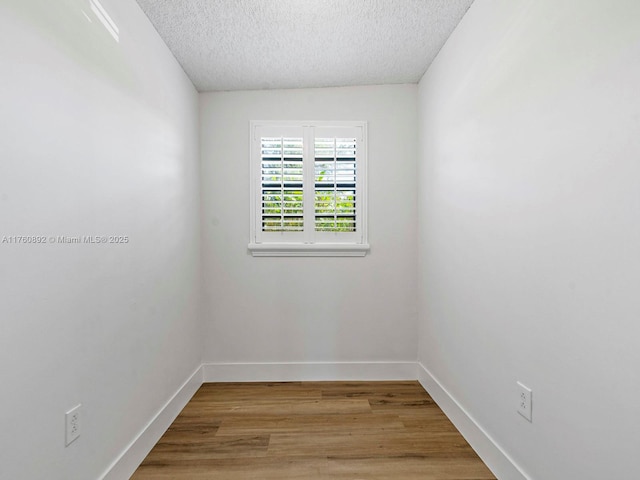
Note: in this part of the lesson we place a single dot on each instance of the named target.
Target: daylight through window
(308, 188)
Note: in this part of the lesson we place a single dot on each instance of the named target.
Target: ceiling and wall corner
(254, 45)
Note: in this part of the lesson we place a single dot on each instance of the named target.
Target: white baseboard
(502, 466)
(132, 456)
(313, 371)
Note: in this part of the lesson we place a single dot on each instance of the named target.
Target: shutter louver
(282, 184)
(335, 184)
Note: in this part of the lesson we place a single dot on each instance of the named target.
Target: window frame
(309, 242)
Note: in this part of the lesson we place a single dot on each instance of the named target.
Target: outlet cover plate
(73, 424)
(524, 401)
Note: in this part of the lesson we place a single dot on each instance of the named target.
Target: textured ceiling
(260, 44)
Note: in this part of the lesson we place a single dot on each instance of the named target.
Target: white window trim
(354, 247)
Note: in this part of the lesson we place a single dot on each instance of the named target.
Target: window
(308, 189)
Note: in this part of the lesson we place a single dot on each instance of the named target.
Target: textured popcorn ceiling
(259, 44)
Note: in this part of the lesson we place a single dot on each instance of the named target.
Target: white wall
(529, 210)
(278, 310)
(96, 138)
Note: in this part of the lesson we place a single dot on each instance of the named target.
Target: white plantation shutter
(308, 188)
(335, 184)
(282, 200)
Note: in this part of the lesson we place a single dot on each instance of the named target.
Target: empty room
(319, 239)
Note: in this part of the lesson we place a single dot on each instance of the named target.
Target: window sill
(308, 250)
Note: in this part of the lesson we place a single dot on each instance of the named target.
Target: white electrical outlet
(73, 424)
(524, 401)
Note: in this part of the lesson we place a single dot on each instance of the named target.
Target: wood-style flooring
(315, 431)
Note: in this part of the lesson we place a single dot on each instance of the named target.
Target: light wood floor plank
(387, 444)
(311, 424)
